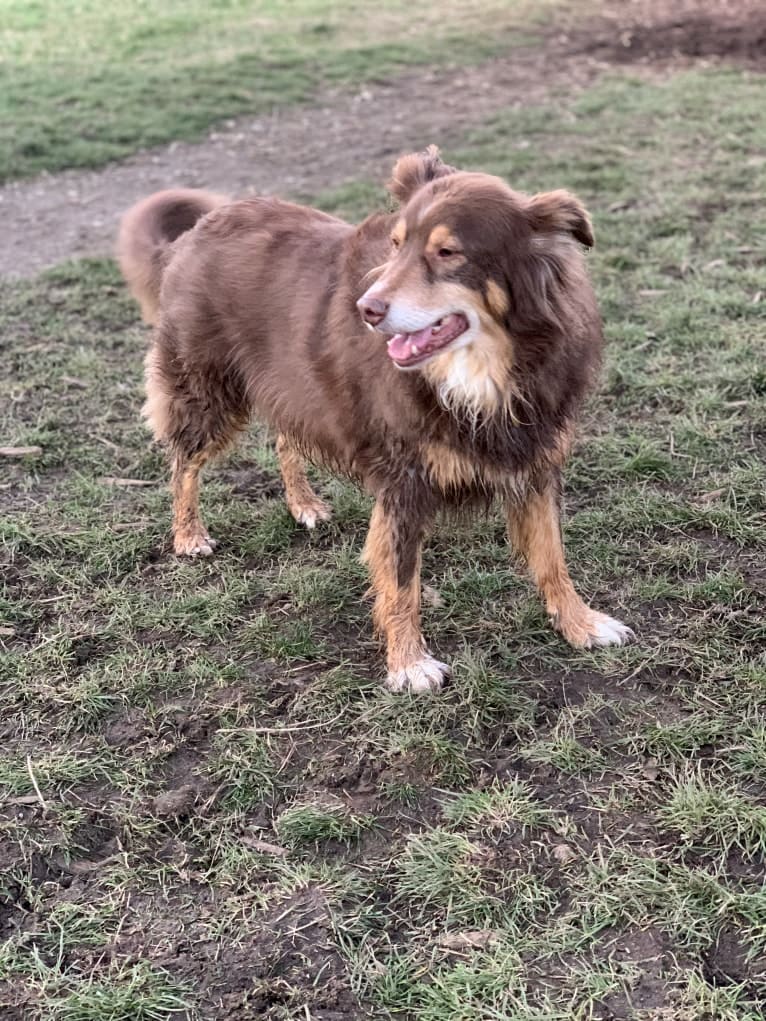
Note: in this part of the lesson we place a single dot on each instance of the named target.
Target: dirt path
(350, 135)
(345, 136)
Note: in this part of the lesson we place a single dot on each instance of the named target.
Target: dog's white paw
(604, 630)
(310, 513)
(426, 674)
(588, 629)
(197, 544)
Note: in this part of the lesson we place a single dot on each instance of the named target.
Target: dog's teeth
(436, 327)
(413, 348)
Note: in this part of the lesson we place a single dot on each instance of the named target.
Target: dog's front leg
(534, 529)
(392, 554)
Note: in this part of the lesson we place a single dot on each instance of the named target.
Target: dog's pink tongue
(405, 345)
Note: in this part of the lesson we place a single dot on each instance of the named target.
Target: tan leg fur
(535, 531)
(190, 537)
(303, 503)
(397, 611)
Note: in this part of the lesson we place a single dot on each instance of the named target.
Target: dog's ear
(414, 170)
(560, 211)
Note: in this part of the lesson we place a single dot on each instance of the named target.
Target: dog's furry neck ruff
(474, 385)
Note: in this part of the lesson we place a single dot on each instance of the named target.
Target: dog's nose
(373, 310)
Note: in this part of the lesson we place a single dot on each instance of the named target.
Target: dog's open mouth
(407, 349)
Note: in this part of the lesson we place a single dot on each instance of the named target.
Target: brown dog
(485, 339)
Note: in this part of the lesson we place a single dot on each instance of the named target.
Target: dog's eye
(395, 242)
(447, 253)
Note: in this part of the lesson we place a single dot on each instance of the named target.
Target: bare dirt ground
(346, 136)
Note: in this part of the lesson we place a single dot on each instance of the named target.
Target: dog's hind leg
(190, 536)
(196, 416)
(392, 554)
(303, 503)
(534, 529)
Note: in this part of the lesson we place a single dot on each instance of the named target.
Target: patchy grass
(83, 82)
(312, 823)
(210, 806)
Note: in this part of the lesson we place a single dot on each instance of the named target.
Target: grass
(559, 835)
(80, 80)
(495, 809)
(313, 823)
(136, 994)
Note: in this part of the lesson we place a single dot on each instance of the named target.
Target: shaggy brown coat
(256, 306)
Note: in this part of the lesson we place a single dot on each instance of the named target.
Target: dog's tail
(147, 231)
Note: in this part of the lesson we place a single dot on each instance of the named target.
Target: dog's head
(474, 266)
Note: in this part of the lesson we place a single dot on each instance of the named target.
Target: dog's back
(147, 231)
